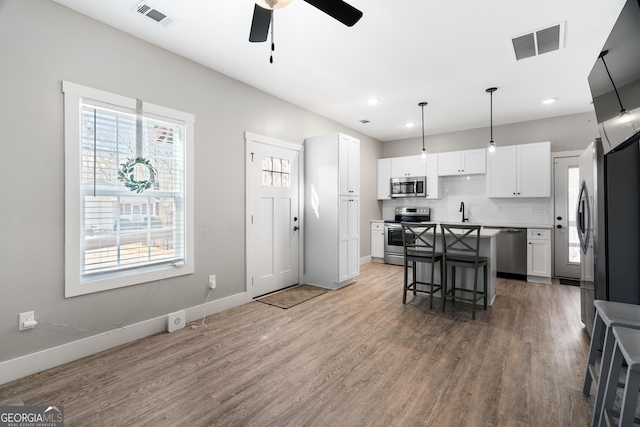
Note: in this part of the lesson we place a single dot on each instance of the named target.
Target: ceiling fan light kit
(272, 4)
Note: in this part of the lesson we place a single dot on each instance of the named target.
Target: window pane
(276, 165)
(267, 178)
(277, 179)
(285, 180)
(286, 167)
(266, 164)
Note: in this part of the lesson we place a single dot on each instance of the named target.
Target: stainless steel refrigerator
(608, 208)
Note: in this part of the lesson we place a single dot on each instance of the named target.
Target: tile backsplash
(478, 207)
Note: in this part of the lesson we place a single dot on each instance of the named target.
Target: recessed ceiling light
(372, 101)
(364, 121)
(409, 125)
(549, 101)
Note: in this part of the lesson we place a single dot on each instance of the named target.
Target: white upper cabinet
(520, 171)
(408, 166)
(433, 181)
(467, 162)
(384, 179)
(349, 165)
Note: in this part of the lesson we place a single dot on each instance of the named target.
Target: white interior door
(567, 244)
(273, 220)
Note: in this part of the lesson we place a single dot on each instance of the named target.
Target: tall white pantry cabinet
(331, 210)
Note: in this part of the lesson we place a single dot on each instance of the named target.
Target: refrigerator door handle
(583, 215)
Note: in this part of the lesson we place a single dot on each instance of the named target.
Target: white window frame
(73, 94)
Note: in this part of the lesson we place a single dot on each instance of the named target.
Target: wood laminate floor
(352, 357)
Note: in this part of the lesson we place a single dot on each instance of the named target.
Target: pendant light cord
(490, 92)
(422, 126)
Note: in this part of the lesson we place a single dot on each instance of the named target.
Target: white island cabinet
(332, 210)
(519, 171)
(464, 278)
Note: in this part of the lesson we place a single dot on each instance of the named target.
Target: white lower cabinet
(539, 254)
(349, 238)
(377, 241)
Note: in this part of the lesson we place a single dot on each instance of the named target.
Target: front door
(567, 243)
(273, 221)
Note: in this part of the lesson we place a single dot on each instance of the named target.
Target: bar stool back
(419, 241)
(461, 248)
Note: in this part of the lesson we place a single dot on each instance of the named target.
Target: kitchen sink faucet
(462, 210)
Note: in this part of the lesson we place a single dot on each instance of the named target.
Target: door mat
(570, 282)
(292, 296)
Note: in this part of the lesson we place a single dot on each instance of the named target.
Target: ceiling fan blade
(339, 10)
(260, 24)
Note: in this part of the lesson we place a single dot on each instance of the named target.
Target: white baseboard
(365, 259)
(29, 364)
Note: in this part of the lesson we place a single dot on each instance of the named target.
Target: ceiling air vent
(147, 10)
(538, 42)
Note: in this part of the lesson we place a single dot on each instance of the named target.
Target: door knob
(559, 218)
(295, 228)
(558, 226)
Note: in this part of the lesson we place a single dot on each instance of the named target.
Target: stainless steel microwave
(415, 186)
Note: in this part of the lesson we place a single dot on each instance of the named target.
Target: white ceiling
(402, 52)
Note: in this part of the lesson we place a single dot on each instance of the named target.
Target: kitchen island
(464, 277)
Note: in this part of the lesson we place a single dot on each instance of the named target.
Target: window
(275, 172)
(114, 236)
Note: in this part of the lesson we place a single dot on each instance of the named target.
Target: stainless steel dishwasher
(511, 251)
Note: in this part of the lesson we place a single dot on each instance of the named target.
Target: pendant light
(623, 111)
(492, 145)
(423, 153)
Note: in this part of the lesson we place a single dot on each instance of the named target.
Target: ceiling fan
(263, 14)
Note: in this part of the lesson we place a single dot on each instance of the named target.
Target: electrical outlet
(26, 320)
(212, 281)
(539, 210)
(176, 320)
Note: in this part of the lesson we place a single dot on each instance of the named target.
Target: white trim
(365, 260)
(29, 364)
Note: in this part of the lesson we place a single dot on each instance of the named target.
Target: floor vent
(538, 42)
(147, 10)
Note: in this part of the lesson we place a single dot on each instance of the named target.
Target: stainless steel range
(393, 247)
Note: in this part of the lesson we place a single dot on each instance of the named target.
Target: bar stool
(627, 347)
(461, 248)
(419, 241)
(608, 314)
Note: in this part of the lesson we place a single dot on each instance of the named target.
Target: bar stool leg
(444, 285)
(606, 364)
(598, 324)
(610, 388)
(628, 411)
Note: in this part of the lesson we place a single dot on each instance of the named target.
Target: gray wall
(43, 43)
(566, 133)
